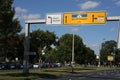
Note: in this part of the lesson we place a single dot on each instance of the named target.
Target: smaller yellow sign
(76, 18)
(110, 58)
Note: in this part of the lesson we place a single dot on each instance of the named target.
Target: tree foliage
(9, 27)
(81, 52)
(42, 40)
(109, 48)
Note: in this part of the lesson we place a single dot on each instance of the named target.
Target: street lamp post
(73, 50)
(100, 47)
(99, 57)
(73, 61)
(99, 61)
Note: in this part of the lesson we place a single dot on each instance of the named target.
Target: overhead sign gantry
(76, 18)
(73, 18)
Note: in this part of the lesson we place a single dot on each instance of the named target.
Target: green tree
(90, 56)
(117, 57)
(20, 47)
(82, 53)
(108, 48)
(42, 40)
(64, 50)
(51, 56)
(9, 27)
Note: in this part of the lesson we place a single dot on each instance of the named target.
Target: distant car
(18, 66)
(59, 64)
(51, 65)
(30, 65)
(45, 65)
(35, 66)
(11, 65)
(3, 66)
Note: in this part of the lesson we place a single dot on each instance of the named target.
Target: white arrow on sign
(55, 18)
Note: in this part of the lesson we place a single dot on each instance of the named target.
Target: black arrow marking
(93, 18)
(50, 18)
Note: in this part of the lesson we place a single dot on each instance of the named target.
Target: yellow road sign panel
(110, 58)
(77, 18)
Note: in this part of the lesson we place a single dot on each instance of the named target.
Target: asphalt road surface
(99, 75)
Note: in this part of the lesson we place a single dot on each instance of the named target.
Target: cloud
(20, 10)
(21, 13)
(88, 5)
(74, 30)
(97, 46)
(118, 3)
(31, 16)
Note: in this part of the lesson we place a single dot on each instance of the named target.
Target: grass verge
(52, 73)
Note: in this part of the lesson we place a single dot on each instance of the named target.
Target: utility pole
(72, 53)
(99, 56)
(73, 45)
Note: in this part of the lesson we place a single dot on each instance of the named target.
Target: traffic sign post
(26, 49)
(79, 18)
(118, 41)
(27, 43)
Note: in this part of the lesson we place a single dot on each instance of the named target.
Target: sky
(92, 35)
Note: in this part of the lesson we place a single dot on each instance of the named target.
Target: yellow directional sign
(110, 58)
(77, 18)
